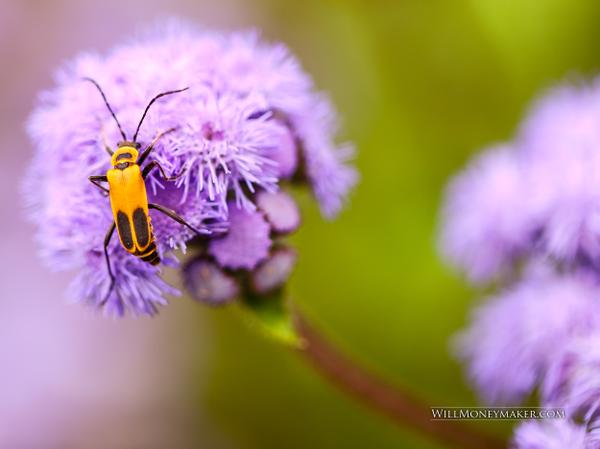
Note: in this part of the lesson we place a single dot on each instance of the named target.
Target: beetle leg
(153, 164)
(150, 147)
(173, 215)
(109, 235)
(96, 180)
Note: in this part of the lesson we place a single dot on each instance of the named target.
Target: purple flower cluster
(526, 215)
(550, 435)
(250, 124)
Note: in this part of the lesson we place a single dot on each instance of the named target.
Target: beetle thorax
(125, 155)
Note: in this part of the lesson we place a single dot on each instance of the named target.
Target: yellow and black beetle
(127, 192)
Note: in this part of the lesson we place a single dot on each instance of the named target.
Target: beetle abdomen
(150, 254)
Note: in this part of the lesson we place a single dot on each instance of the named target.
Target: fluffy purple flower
(542, 196)
(485, 221)
(328, 172)
(573, 380)
(539, 200)
(249, 118)
(515, 335)
(560, 142)
(565, 117)
(554, 434)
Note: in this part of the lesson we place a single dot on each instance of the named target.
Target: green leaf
(270, 315)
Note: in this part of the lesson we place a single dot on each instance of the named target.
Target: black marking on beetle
(124, 156)
(149, 257)
(124, 230)
(140, 224)
(145, 252)
(122, 165)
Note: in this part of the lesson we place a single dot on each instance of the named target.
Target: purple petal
(275, 271)
(246, 244)
(206, 282)
(280, 209)
(327, 165)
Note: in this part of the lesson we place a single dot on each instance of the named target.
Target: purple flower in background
(485, 221)
(249, 123)
(554, 434)
(514, 335)
(539, 194)
(559, 145)
(536, 200)
(573, 380)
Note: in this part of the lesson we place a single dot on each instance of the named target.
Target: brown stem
(396, 403)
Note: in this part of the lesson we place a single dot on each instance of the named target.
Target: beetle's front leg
(96, 180)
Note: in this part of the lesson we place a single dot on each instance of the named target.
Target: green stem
(395, 402)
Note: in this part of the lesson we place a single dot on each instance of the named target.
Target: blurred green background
(421, 86)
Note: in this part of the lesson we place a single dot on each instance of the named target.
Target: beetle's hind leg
(173, 215)
(107, 239)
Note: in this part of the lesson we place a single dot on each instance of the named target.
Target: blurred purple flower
(554, 434)
(485, 221)
(542, 195)
(515, 335)
(573, 380)
(248, 120)
(539, 200)
(559, 144)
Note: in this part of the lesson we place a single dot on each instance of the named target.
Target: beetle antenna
(107, 105)
(150, 104)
